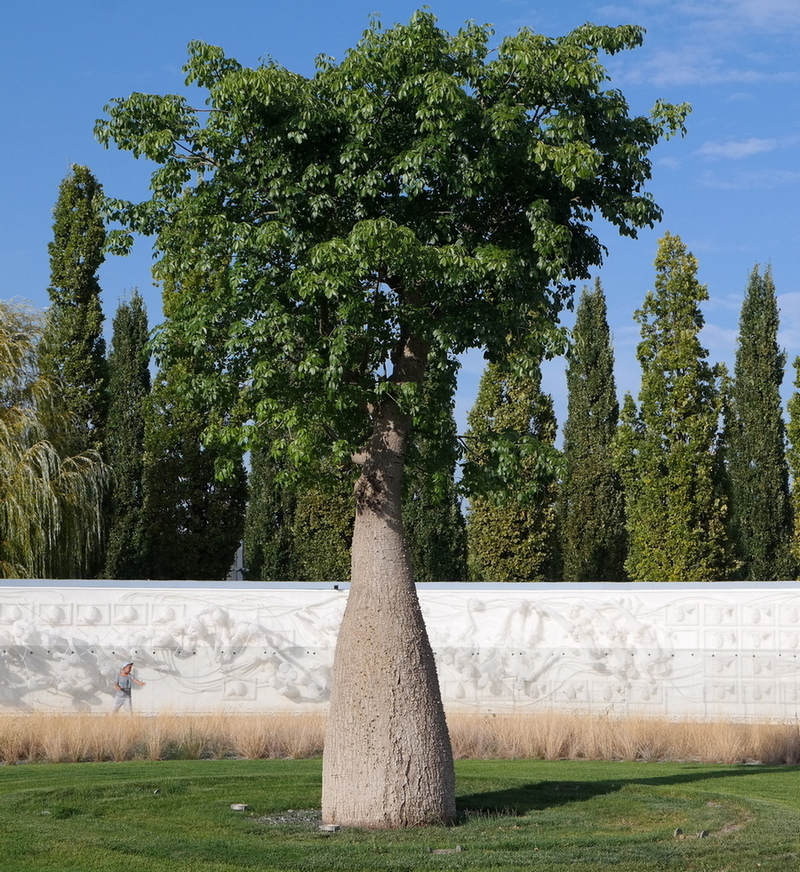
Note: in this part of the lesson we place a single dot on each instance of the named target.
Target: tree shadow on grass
(525, 798)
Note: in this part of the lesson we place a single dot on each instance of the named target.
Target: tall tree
(129, 389)
(269, 521)
(194, 522)
(51, 518)
(512, 536)
(591, 499)
(73, 348)
(668, 449)
(434, 525)
(423, 196)
(793, 459)
(761, 511)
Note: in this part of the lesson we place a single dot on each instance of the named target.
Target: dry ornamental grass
(72, 738)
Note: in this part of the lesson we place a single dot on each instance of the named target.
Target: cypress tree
(73, 349)
(591, 500)
(668, 450)
(761, 514)
(194, 521)
(793, 459)
(511, 536)
(436, 533)
(269, 521)
(129, 387)
(323, 529)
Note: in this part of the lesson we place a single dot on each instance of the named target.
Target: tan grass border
(68, 738)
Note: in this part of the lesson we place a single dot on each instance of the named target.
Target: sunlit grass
(515, 815)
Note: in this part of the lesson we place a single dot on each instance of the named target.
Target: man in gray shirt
(124, 685)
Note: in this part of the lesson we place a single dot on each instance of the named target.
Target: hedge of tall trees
(697, 480)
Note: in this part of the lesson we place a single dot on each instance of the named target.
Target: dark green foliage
(428, 188)
(194, 521)
(668, 450)
(761, 511)
(793, 459)
(436, 533)
(435, 529)
(428, 194)
(591, 499)
(511, 535)
(129, 387)
(323, 530)
(268, 522)
(73, 348)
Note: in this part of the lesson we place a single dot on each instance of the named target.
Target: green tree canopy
(129, 389)
(793, 458)
(422, 196)
(668, 450)
(51, 518)
(73, 348)
(512, 536)
(591, 500)
(761, 510)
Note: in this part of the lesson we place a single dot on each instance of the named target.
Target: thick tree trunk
(387, 761)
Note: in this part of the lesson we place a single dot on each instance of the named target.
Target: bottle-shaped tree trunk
(387, 761)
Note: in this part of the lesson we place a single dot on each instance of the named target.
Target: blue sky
(730, 189)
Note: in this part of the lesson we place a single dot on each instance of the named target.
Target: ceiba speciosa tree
(423, 196)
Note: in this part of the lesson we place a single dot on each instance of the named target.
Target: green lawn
(517, 815)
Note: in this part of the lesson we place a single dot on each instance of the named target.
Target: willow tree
(423, 196)
(50, 503)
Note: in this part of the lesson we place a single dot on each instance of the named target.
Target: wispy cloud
(712, 42)
(696, 64)
(743, 180)
(736, 149)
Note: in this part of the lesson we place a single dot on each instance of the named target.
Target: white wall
(701, 650)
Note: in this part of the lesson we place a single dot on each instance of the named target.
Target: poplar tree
(761, 512)
(591, 499)
(129, 388)
(668, 449)
(73, 349)
(511, 533)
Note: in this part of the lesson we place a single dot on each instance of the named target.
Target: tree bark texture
(388, 760)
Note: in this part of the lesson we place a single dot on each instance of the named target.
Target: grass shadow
(537, 796)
